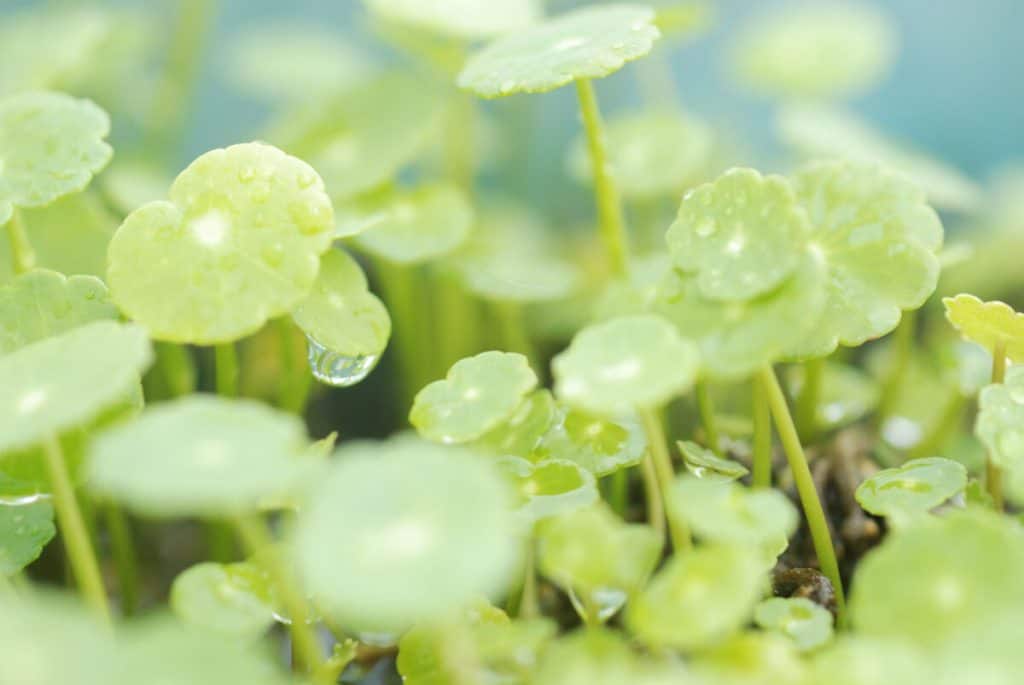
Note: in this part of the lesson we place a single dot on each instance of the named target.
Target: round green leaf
(990, 324)
(405, 531)
(520, 434)
(341, 313)
(74, 36)
(238, 244)
(598, 656)
(462, 19)
(847, 394)
(623, 364)
(51, 145)
(1000, 421)
(200, 455)
(751, 658)
(598, 557)
(587, 43)
(704, 464)
(26, 526)
(293, 61)
(518, 277)
(913, 488)
(814, 51)
(549, 487)
(418, 225)
(42, 303)
(741, 235)
(855, 660)
(600, 445)
(877, 239)
(227, 598)
(738, 338)
(361, 138)
(730, 513)
(965, 567)
(809, 625)
(476, 396)
(698, 599)
(653, 153)
(65, 381)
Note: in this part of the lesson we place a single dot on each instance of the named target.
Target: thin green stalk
(220, 542)
(459, 136)
(296, 379)
(806, 410)
(657, 449)
(993, 474)
(457, 320)
(398, 285)
(177, 366)
(257, 538)
(609, 204)
(706, 408)
(762, 451)
(813, 511)
(529, 605)
(226, 370)
(22, 255)
(123, 549)
(80, 552)
(513, 330)
(617, 491)
(903, 348)
(652, 494)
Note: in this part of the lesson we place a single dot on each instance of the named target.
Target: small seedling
(912, 489)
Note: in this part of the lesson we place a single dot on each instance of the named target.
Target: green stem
(617, 491)
(456, 317)
(513, 330)
(226, 370)
(652, 494)
(806, 410)
(459, 136)
(706, 409)
(529, 605)
(903, 348)
(258, 539)
(220, 542)
(177, 367)
(80, 552)
(22, 254)
(813, 511)
(123, 548)
(993, 474)
(296, 379)
(657, 448)
(609, 204)
(762, 457)
(398, 285)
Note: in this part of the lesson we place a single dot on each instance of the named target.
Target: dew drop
(23, 500)
(705, 228)
(273, 255)
(306, 179)
(246, 174)
(569, 43)
(336, 369)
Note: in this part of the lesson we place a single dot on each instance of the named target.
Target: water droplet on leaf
(337, 369)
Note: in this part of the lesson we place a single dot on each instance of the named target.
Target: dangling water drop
(336, 369)
(23, 500)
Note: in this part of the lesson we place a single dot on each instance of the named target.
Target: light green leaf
(814, 51)
(1000, 421)
(600, 445)
(877, 239)
(856, 660)
(233, 599)
(405, 531)
(913, 488)
(293, 61)
(751, 658)
(550, 487)
(742, 235)
(361, 138)
(652, 153)
(623, 364)
(200, 455)
(847, 394)
(238, 243)
(73, 38)
(65, 381)
(341, 313)
(698, 599)
(587, 43)
(462, 19)
(518, 277)
(520, 434)
(965, 567)
(26, 526)
(42, 303)
(418, 225)
(728, 512)
(809, 625)
(990, 324)
(704, 464)
(738, 338)
(477, 395)
(598, 656)
(51, 145)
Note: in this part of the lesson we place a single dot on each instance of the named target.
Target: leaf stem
(617, 490)
(657, 451)
(706, 409)
(256, 536)
(296, 381)
(177, 367)
(226, 370)
(22, 255)
(806, 410)
(513, 331)
(529, 606)
(993, 474)
(762, 449)
(903, 347)
(397, 283)
(817, 522)
(609, 204)
(125, 559)
(81, 554)
(652, 494)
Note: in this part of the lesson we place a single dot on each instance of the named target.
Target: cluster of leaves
(502, 538)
